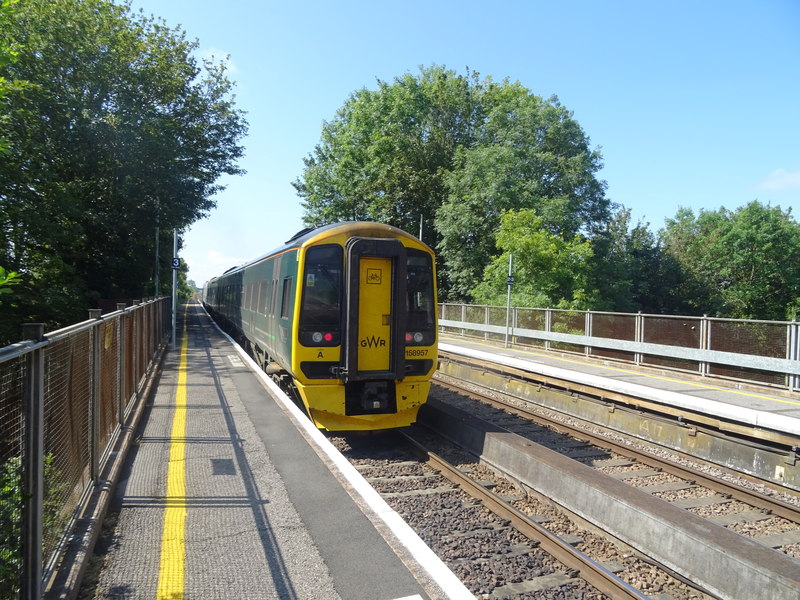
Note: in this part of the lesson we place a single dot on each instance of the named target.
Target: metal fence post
(793, 353)
(134, 348)
(121, 364)
(638, 336)
(548, 325)
(515, 324)
(94, 405)
(587, 326)
(705, 343)
(33, 467)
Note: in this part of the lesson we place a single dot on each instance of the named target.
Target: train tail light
(319, 337)
(416, 337)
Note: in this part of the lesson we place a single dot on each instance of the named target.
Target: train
(345, 314)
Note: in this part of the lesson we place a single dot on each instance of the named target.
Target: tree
(550, 270)
(456, 150)
(740, 264)
(117, 131)
(530, 153)
(631, 270)
(7, 55)
(383, 155)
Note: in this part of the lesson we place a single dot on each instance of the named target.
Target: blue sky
(692, 103)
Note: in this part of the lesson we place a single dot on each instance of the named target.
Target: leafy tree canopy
(117, 131)
(740, 264)
(454, 150)
(631, 270)
(550, 269)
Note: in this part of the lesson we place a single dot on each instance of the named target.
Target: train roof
(309, 234)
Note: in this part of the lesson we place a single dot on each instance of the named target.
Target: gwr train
(347, 312)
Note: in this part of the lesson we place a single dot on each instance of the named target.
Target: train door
(374, 314)
(373, 352)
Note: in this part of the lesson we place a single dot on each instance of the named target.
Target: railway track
(728, 499)
(705, 501)
(497, 551)
(524, 503)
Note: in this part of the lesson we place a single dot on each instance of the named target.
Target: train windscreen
(321, 311)
(420, 299)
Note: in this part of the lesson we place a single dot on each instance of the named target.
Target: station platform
(230, 492)
(765, 408)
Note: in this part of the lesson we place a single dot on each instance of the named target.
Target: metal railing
(64, 397)
(761, 352)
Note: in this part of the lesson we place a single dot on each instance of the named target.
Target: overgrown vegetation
(11, 501)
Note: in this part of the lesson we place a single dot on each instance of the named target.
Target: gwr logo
(373, 342)
(374, 276)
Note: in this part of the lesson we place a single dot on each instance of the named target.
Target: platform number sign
(176, 263)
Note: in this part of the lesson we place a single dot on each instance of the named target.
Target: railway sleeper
(538, 584)
(513, 551)
(423, 492)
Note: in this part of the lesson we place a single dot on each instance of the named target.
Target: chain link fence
(64, 397)
(761, 352)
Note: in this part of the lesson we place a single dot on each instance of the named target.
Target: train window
(262, 297)
(285, 297)
(321, 312)
(420, 299)
(274, 300)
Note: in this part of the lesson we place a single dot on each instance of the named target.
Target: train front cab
(367, 333)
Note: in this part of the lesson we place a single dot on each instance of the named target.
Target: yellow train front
(348, 311)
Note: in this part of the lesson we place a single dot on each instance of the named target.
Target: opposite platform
(768, 409)
(225, 496)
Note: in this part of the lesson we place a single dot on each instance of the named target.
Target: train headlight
(414, 337)
(316, 337)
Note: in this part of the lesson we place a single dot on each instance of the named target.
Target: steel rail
(594, 573)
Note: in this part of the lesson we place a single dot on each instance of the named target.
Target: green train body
(348, 311)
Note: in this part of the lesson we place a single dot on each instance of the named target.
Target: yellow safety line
(629, 372)
(173, 549)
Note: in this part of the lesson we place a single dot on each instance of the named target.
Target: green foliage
(117, 131)
(531, 154)
(185, 290)
(461, 151)
(456, 150)
(11, 501)
(10, 533)
(631, 270)
(8, 279)
(740, 264)
(550, 270)
(383, 154)
(7, 55)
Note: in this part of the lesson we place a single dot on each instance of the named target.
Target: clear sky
(693, 103)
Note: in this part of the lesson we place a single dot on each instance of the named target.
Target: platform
(757, 407)
(231, 493)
